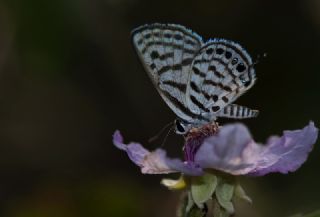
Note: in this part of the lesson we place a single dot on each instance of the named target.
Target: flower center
(195, 138)
(190, 149)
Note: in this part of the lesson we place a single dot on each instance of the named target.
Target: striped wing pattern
(238, 112)
(167, 52)
(220, 73)
(197, 80)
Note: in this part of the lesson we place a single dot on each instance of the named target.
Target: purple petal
(290, 151)
(135, 151)
(232, 150)
(155, 162)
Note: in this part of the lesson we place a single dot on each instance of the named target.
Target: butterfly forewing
(167, 52)
(220, 73)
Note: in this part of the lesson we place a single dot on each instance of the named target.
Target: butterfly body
(198, 80)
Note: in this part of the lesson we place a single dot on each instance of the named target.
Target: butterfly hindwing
(220, 73)
(167, 52)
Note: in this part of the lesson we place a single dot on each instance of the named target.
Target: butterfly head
(181, 126)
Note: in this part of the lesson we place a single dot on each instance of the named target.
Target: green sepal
(240, 193)
(218, 211)
(202, 188)
(224, 194)
(188, 208)
(190, 202)
(197, 212)
(181, 210)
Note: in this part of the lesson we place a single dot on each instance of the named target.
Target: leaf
(224, 194)
(202, 188)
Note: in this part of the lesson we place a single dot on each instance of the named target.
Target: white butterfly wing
(220, 73)
(167, 52)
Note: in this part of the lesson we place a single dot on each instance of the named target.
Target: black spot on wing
(164, 69)
(209, 51)
(198, 104)
(178, 37)
(232, 110)
(187, 61)
(215, 84)
(180, 106)
(147, 36)
(139, 42)
(225, 99)
(225, 110)
(166, 27)
(240, 67)
(243, 112)
(152, 66)
(238, 111)
(156, 34)
(228, 54)
(179, 86)
(214, 70)
(219, 51)
(234, 61)
(167, 35)
(177, 67)
(154, 54)
(240, 51)
(167, 68)
(166, 56)
(247, 111)
(190, 42)
(198, 72)
(210, 82)
(167, 44)
(215, 108)
(194, 87)
(218, 60)
(215, 98)
(208, 97)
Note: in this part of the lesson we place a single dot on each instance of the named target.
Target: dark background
(69, 77)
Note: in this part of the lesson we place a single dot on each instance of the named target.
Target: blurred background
(69, 77)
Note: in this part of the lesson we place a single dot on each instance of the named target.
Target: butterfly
(198, 80)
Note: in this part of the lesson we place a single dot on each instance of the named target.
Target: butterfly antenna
(264, 55)
(152, 139)
(165, 138)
